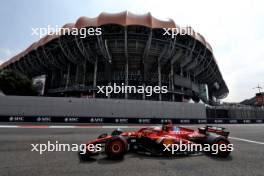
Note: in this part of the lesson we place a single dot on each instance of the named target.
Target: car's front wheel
(116, 148)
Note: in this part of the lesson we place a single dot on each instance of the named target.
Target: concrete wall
(235, 112)
(53, 106)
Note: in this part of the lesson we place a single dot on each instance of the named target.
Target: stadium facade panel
(132, 49)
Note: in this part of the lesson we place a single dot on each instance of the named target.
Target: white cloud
(5, 53)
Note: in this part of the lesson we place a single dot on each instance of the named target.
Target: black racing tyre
(116, 148)
(213, 139)
(226, 152)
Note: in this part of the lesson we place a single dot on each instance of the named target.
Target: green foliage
(14, 83)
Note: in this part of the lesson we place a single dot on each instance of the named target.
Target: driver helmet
(167, 126)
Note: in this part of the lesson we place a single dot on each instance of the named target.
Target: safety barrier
(112, 120)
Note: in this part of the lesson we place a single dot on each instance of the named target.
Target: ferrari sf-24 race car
(162, 141)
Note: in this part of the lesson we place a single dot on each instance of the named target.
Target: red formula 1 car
(162, 141)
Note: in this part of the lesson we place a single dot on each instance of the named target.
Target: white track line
(58, 126)
(77, 126)
(132, 126)
(110, 127)
(71, 126)
(88, 126)
(246, 140)
(9, 126)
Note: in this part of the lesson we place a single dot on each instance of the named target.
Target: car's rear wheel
(221, 143)
(116, 148)
(222, 153)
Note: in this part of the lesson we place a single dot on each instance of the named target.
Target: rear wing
(214, 129)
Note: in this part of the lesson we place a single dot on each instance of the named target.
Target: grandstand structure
(132, 49)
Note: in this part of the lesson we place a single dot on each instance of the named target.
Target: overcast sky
(235, 29)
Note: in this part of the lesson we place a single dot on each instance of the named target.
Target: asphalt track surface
(16, 157)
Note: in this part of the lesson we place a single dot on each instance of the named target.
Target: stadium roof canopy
(124, 18)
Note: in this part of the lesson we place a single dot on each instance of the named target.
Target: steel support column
(126, 67)
(159, 69)
(95, 75)
(172, 81)
(159, 77)
(68, 77)
(144, 57)
(84, 72)
(182, 89)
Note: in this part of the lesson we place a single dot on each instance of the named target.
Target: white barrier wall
(54, 106)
